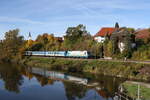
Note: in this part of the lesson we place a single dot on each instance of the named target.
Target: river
(27, 83)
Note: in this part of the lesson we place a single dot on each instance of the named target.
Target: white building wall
(99, 39)
(121, 46)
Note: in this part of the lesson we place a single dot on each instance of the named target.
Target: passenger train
(67, 54)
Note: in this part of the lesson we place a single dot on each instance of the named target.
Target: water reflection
(40, 84)
(11, 77)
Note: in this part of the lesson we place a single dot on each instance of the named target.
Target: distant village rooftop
(142, 34)
(105, 31)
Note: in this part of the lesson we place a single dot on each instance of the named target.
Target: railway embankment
(129, 70)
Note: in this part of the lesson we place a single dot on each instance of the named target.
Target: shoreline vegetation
(129, 70)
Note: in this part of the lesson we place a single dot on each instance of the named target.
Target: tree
(43, 39)
(115, 48)
(108, 49)
(131, 30)
(11, 44)
(35, 47)
(142, 53)
(44, 42)
(75, 36)
(127, 52)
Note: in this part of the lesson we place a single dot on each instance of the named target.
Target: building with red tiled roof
(105, 31)
(100, 36)
(142, 34)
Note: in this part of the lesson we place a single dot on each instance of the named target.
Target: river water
(26, 83)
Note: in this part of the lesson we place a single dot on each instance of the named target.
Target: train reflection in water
(59, 76)
(64, 77)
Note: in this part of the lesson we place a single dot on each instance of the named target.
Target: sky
(55, 16)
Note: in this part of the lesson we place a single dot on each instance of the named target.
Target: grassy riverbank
(120, 69)
(132, 90)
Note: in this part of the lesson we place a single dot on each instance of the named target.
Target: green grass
(132, 91)
(121, 69)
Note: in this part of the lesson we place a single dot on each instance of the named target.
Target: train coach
(56, 53)
(68, 54)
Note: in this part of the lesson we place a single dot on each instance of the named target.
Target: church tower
(29, 40)
(117, 25)
(29, 37)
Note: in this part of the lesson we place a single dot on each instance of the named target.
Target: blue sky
(54, 16)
